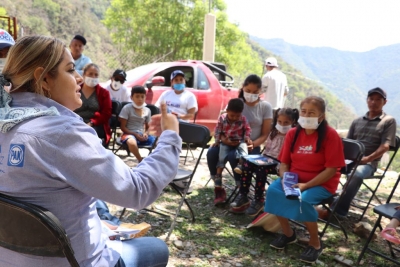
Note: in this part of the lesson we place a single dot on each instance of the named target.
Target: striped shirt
(373, 133)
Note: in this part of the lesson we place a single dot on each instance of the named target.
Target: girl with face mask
(314, 151)
(284, 120)
(259, 115)
(96, 103)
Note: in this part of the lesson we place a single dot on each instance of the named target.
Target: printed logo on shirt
(170, 104)
(305, 149)
(16, 155)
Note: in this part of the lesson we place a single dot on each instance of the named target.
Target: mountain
(348, 75)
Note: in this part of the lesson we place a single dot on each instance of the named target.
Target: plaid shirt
(235, 130)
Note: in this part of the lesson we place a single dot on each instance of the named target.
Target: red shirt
(308, 164)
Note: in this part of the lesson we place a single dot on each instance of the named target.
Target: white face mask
(283, 129)
(310, 123)
(250, 97)
(138, 107)
(116, 85)
(91, 82)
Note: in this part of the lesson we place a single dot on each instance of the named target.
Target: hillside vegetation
(348, 75)
(124, 33)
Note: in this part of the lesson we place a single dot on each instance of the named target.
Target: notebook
(261, 160)
(290, 179)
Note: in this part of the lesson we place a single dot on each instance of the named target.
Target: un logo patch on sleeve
(16, 155)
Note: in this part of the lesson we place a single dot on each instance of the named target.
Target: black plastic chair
(386, 210)
(30, 229)
(154, 110)
(353, 153)
(380, 178)
(115, 110)
(188, 146)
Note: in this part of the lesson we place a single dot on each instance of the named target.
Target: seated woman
(96, 103)
(259, 115)
(64, 168)
(284, 120)
(314, 151)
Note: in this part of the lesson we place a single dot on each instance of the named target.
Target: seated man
(377, 131)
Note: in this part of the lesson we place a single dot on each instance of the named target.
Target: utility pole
(209, 35)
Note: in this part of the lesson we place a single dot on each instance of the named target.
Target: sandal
(391, 235)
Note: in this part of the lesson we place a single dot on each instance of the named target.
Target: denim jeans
(362, 172)
(104, 213)
(144, 251)
(224, 150)
(213, 155)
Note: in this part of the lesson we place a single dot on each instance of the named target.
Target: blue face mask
(179, 86)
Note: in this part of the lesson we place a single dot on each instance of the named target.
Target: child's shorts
(150, 140)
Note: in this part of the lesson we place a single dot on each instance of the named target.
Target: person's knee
(131, 142)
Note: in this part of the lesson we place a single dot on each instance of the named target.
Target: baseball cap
(6, 39)
(80, 38)
(120, 73)
(176, 73)
(272, 62)
(377, 90)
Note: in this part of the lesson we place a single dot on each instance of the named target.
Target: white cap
(5, 39)
(272, 62)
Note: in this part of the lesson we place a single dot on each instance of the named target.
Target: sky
(348, 25)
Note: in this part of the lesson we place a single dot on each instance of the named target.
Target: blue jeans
(144, 251)
(104, 213)
(224, 150)
(213, 155)
(362, 171)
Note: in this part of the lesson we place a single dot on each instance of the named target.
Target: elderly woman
(63, 168)
(313, 150)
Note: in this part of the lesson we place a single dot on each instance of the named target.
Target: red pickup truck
(206, 80)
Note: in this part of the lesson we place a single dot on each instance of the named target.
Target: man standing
(274, 84)
(77, 46)
(377, 131)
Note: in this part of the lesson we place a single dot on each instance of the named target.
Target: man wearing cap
(117, 90)
(274, 84)
(77, 46)
(180, 102)
(377, 131)
(6, 41)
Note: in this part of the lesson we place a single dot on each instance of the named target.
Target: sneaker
(255, 208)
(238, 169)
(220, 195)
(142, 227)
(282, 241)
(241, 205)
(311, 254)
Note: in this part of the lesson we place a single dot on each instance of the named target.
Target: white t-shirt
(178, 103)
(122, 95)
(274, 85)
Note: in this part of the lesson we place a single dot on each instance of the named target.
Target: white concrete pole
(209, 37)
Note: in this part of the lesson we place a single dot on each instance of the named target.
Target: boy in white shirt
(180, 102)
(135, 120)
(117, 89)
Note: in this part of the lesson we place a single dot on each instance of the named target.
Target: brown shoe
(143, 227)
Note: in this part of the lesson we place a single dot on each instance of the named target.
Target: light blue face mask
(179, 86)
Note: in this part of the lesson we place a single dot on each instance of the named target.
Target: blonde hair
(28, 54)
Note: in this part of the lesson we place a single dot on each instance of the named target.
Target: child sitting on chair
(236, 130)
(284, 120)
(135, 120)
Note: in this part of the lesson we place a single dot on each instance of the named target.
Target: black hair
(323, 126)
(138, 89)
(292, 113)
(80, 38)
(251, 79)
(235, 105)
